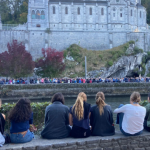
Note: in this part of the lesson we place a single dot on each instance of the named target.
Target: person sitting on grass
(130, 117)
(147, 117)
(21, 118)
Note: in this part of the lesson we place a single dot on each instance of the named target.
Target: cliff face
(129, 65)
(125, 66)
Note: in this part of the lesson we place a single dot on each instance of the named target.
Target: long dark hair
(21, 112)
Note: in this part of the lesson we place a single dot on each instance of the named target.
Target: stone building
(92, 24)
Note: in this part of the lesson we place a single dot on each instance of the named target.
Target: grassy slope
(95, 59)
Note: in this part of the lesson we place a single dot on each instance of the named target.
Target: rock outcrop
(125, 66)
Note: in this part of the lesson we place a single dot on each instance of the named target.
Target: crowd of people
(79, 121)
(73, 80)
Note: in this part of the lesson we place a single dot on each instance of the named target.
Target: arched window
(54, 11)
(102, 11)
(78, 10)
(120, 14)
(90, 11)
(42, 15)
(140, 14)
(131, 12)
(38, 14)
(66, 10)
(33, 16)
(114, 12)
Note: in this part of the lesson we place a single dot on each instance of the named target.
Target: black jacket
(102, 125)
(56, 121)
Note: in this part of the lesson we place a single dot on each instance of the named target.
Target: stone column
(96, 17)
(72, 16)
(84, 17)
(109, 17)
(60, 16)
(47, 14)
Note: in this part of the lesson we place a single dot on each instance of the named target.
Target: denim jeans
(119, 121)
(18, 138)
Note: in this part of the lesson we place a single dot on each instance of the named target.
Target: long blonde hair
(100, 101)
(78, 107)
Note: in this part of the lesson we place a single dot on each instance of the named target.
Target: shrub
(38, 111)
(109, 63)
(83, 64)
(95, 63)
(144, 103)
(131, 42)
(137, 50)
(100, 56)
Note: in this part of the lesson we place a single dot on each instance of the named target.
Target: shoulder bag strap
(1, 125)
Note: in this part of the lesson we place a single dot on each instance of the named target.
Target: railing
(14, 27)
(9, 26)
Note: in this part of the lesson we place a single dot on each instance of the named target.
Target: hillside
(75, 56)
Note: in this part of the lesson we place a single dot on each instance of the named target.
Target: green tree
(14, 12)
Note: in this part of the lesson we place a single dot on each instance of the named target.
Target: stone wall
(95, 40)
(91, 143)
(43, 91)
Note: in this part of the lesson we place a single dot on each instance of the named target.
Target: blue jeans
(18, 138)
(119, 121)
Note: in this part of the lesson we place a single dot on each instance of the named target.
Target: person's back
(79, 117)
(147, 117)
(131, 116)
(102, 125)
(2, 120)
(101, 118)
(56, 121)
(20, 124)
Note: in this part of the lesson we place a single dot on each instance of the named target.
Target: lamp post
(85, 68)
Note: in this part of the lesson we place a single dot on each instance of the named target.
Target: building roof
(139, 5)
(76, 1)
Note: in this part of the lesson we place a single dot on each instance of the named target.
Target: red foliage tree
(51, 64)
(17, 62)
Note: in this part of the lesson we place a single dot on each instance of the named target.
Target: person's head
(21, 112)
(148, 98)
(58, 97)
(78, 107)
(135, 97)
(100, 101)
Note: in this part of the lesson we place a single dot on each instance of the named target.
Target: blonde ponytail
(100, 101)
(78, 107)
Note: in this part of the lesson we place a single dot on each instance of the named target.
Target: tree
(51, 64)
(17, 62)
(14, 12)
(4, 65)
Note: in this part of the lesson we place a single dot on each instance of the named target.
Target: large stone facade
(92, 24)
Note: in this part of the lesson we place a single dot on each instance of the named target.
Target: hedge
(38, 111)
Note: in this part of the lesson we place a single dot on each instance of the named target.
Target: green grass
(95, 59)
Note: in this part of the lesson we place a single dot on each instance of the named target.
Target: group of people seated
(80, 121)
(73, 80)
